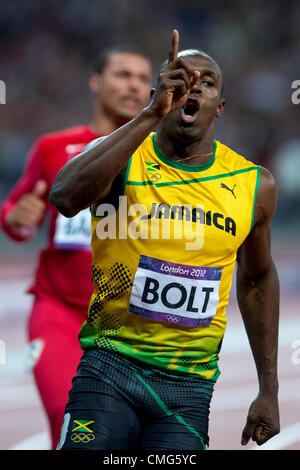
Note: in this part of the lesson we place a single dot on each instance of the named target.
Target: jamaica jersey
(164, 256)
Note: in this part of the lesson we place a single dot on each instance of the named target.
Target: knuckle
(183, 64)
(165, 85)
(183, 74)
(183, 87)
(251, 419)
(163, 80)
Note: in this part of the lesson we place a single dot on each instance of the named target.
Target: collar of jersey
(183, 166)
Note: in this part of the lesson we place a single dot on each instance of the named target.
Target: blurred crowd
(47, 48)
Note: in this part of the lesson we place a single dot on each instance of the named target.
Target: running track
(23, 424)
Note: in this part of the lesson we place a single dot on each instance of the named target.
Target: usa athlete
(157, 314)
(62, 287)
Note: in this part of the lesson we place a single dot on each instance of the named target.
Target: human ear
(95, 83)
(220, 108)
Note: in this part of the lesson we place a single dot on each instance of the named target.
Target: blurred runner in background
(62, 287)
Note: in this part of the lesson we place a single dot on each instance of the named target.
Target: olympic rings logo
(82, 437)
(173, 319)
(156, 177)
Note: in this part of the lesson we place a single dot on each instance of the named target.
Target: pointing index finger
(175, 42)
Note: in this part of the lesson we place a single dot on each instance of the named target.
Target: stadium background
(46, 51)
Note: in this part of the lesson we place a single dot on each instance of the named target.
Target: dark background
(46, 51)
(47, 47)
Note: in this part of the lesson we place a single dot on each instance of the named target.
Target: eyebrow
(209, 72)
(217, 77)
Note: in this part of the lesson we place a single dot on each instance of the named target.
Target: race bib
(175, 293)
(73, 233)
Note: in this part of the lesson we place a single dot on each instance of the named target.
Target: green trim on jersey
(255, 194)
(183, 166)
(117, 266)
(126, 176)
(194, 180)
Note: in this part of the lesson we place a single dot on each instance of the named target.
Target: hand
(29, 210)
(174, 83)
(262, 421)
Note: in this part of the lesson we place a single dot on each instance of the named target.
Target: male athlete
(121, 83)
(157, 315)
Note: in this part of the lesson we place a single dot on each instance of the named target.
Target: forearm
(86, 177)
(258, 300)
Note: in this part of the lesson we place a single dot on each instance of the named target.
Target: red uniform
(62, 284)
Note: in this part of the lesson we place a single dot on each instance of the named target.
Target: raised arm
(258, 298)
(89, 176)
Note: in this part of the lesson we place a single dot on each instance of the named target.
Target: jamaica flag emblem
(154, 171)
(82, 425)
(152, 166)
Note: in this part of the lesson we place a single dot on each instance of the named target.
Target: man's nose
(134, 84)
(196, 88)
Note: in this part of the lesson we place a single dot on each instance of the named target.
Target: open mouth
(190, 110)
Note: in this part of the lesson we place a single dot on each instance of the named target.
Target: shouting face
(204, 102)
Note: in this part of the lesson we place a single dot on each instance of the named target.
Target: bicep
(114, 190)
(112, 193)
(254, 255)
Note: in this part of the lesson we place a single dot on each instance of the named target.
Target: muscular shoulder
(266, 200)
(94, 142)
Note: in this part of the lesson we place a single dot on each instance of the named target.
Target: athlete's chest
(216, 213)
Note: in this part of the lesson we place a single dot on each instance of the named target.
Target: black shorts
(117, 404)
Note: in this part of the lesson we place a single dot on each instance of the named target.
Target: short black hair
(189, 52)
(102, 58)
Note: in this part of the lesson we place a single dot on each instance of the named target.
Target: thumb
(40, 188)
(247, 433)
(195, 77)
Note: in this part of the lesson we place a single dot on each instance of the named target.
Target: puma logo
(231, 190)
